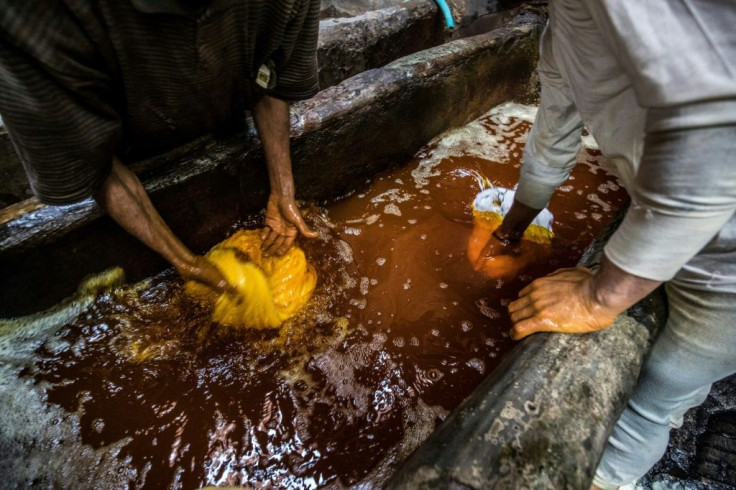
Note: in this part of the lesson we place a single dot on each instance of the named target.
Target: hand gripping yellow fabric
(271, 289)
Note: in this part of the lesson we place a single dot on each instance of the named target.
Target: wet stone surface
(702, 453)
(146, 392)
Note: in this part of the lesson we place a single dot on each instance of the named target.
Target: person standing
(655, 84)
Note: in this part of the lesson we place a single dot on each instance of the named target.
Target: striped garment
(81, 80)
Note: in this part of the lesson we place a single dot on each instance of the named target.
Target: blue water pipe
(446, 12)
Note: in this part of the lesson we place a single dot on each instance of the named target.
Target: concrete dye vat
(367, 101)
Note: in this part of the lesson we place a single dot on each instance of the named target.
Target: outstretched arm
(683, 195)
(123, 197)
(283, 218)
(550, 155)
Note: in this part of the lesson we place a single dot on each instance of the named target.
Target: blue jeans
(696, 348)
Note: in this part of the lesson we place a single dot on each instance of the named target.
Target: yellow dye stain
(534, 233)
(270, 289)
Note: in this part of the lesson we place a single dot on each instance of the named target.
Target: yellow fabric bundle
(271, 289)
(534, 233)
(492, 204)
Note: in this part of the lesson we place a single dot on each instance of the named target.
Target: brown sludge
(400, 329)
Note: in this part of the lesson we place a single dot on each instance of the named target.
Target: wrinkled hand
(201, 270)
(565, 301)
(283, 220)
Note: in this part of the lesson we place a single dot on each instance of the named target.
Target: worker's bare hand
(283, 221)
(564, 301)
(201, 270)
(494, 249)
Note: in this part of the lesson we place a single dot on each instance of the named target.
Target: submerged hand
(497, 257)
(283, 220)
(497, 246)
(565, 301)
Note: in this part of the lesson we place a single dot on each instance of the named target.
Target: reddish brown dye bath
(395, 339)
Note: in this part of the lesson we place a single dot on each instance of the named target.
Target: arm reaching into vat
(680, 206)
(505, 240)
(577, 300)
(283, 219)
(550, 154)
(495, 247)
(123, 197)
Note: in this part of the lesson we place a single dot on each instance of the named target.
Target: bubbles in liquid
(486, 310)
(392, 209)
(477, 364)
(600, 202)
(344, 250)
(359, 303)
(372, 219)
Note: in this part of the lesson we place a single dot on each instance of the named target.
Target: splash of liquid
(269, 290)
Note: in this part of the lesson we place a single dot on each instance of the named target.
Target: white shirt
(655, 83)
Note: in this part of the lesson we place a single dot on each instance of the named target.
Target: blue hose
(446, 12)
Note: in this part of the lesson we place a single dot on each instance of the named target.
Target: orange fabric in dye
(270, 289)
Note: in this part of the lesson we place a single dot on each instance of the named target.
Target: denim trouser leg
(696, 348)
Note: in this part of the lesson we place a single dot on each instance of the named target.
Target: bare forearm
(271, 116)
(123, 197)
(618, 290)
(576, 300)
(516, 221)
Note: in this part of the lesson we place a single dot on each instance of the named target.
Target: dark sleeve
(54, 101)
(298, 77)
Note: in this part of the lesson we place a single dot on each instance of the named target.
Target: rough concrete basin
(538, 421)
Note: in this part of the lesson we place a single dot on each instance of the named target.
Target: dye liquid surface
(399, 331)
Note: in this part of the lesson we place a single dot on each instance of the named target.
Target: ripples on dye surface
(400, 330)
